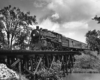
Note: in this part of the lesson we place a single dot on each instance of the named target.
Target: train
(50, 40)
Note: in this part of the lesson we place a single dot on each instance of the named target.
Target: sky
(71, 18)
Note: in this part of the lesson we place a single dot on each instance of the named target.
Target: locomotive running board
(30, 52)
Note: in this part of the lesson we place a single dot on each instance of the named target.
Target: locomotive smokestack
(37, 27)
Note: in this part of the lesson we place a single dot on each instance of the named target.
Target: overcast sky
(72, 18)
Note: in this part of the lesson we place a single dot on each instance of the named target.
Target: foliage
(93, 39)
(87, 62)
(14, 28)
(53, 72)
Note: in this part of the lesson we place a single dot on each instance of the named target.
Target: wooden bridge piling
(30, 63)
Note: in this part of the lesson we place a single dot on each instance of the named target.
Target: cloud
(55, 16)
(68, 26)
(72, 10)
(40, 3)
(74, 30)
(48, 24)
(75, 35)
(76, 25)
(69, 17)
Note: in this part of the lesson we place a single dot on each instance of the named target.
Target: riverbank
(78, 70)
(82, 76)
(88, 62)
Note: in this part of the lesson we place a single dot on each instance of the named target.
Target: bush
(87, 61)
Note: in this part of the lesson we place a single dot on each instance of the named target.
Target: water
(83, 76)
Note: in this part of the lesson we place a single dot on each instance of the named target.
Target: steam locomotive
(49, 40)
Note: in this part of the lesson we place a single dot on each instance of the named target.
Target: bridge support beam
(31, 63)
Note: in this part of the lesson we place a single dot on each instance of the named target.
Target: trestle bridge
(30, 62)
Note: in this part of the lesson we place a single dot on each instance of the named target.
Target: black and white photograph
(49, 39)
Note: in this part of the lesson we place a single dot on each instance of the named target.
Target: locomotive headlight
(33, 34)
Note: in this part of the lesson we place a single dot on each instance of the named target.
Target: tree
(93, 37)
(14, 27)
(93, 40)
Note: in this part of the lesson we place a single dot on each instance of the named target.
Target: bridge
(29, 62)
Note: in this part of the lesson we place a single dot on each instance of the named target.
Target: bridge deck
(30, 52)
(30, 62)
